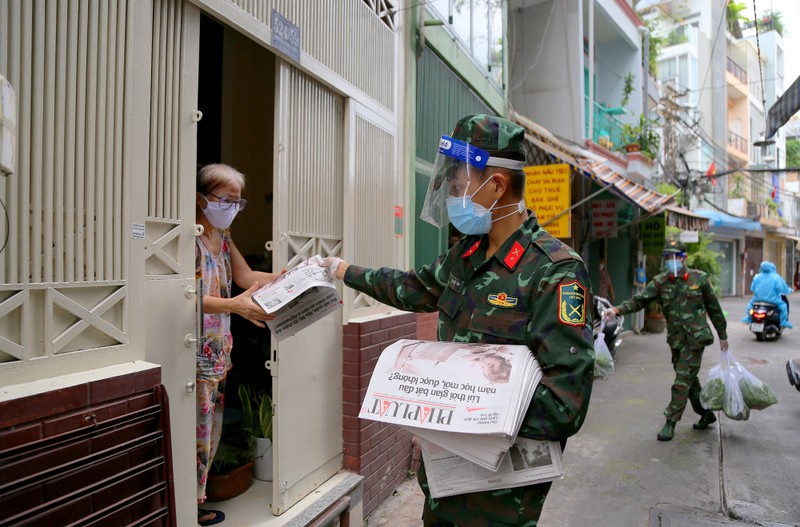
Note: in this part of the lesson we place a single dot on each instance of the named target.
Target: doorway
(236, 95)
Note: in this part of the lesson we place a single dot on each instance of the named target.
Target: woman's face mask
(218, 217)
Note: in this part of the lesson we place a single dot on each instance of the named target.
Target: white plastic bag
(756, 393)
(734, 406)
(712, 395)
(603, 361)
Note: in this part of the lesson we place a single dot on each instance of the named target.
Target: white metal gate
(309, 183)
(65, 276)
(168, 234)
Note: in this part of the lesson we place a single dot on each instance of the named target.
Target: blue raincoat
(768, 286)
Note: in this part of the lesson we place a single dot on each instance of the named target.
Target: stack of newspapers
(464, 400)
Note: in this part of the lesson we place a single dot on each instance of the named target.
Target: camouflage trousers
(686, 363)
(517, 507)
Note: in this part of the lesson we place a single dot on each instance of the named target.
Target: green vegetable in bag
(603, 365)
(757, 394)
(713, 394)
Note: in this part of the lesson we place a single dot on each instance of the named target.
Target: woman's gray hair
(214, 175)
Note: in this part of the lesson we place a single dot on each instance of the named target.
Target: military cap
(500, 137)
(675, 247)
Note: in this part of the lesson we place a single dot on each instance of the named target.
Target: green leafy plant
(671, 190)
(644, 134)
(257, 411)
(627, 89)
(734, 15)
(230, 457)
(656, 43)
(737, 186)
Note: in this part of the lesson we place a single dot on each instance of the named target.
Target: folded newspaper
(298, 298)
(527, 462)
(467, 398)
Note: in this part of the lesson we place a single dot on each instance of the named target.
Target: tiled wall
(381, 453)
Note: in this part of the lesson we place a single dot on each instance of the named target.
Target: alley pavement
(616, 474)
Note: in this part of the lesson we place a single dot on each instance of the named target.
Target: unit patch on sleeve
(502, 300)
(572, 304)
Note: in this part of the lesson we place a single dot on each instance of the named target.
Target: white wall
(546, 66)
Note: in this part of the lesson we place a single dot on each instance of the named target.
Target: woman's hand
(244, 306)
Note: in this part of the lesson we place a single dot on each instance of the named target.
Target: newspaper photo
(298, 298)
(450, 386)
(527, 462)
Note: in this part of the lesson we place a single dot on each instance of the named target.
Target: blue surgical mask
(473, 218)
(673, 266)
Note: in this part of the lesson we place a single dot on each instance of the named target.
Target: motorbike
(766, 320)
(613, 327)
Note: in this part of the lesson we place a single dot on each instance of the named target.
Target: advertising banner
(547, 192)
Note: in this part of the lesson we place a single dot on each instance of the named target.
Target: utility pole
(670, 110)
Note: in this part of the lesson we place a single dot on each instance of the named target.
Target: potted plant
(641, 136)
(231, 471)
(257, 413)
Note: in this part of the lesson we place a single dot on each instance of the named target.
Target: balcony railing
(737, 142)
(737, 71)
(605, 126)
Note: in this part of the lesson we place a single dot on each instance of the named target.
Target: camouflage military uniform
(534, 290)
(685, 299)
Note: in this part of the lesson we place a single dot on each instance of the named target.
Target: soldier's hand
(723, 345)
(336, 267)
(610, 313)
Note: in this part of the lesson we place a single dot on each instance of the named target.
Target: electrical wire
(758, 49)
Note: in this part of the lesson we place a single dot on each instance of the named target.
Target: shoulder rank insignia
(471, 250)
(572, 304)
(512, 258)
(502, 300)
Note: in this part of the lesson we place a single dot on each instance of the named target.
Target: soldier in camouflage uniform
(512, 284)
(686, 297)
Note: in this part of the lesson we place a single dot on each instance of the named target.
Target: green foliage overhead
(627, 89)
(793, 152)
(656, 43)
(670, 189)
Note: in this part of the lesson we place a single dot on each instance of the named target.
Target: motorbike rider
(769, 286)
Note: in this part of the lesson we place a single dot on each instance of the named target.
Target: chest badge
(572, 304)
(502, 300)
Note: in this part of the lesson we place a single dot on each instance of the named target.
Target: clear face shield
(673, 262)
(457, 164)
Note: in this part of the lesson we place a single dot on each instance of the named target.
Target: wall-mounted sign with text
(652, 232)
(604, 218)
(286, 36)
(547, 192)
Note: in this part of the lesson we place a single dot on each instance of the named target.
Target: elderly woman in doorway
(218, 262)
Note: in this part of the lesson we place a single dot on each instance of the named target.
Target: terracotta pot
(221, 487)
(633, 147)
